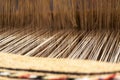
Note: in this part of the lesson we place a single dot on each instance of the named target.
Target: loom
(61, 29)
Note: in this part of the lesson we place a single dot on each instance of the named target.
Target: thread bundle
(72, 44)
(61, 14)
(75, 29)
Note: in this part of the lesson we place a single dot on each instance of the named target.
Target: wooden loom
(72, 29)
